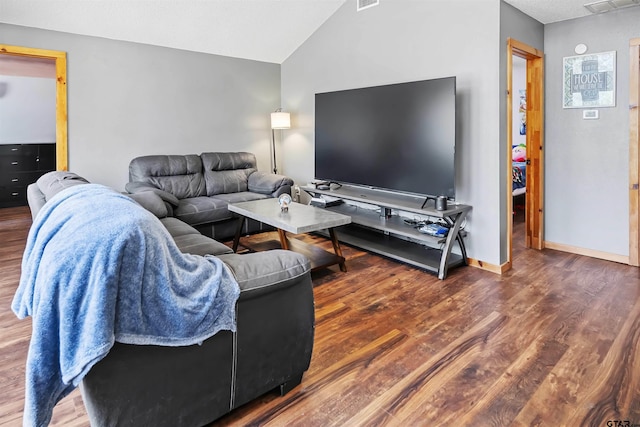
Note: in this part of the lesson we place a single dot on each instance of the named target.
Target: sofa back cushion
(227, 172)
(48, 185)
(179, 175)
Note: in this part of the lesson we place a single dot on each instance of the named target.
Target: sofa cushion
(243, 196)
(190, 241)
(179, 175)
(227, 172)
(47, 186)
(200, 210)
(197, 244)
(177, 228)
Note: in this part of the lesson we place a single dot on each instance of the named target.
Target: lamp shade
(280, 120)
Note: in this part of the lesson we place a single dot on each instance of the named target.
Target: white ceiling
(548, 11)
(263, 30)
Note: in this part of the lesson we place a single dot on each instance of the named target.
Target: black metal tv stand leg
(427, 200)
(463, 249)
(452, 236)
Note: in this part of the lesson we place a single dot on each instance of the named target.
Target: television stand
(375, 229)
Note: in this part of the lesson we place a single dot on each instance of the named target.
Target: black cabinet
(21, 165)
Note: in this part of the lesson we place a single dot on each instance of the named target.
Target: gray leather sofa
(198, 189)
(194, 385)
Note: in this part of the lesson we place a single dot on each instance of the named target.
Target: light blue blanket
(97, 268)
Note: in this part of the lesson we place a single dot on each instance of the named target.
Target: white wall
(400, 41)
(129, 99)
(27, 110)
(587, 161)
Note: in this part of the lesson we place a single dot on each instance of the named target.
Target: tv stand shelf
(390, 236)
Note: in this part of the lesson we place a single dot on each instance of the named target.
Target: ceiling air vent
(366, 4)
(608, 5)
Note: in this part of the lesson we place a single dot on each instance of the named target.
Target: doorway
(519, 147)
(60, 59)
(533, 159)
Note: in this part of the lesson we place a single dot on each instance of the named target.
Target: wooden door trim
(60, 59)
(510, 52)
(523, 50)
(535, 123)
(634, 152)
(534, 57)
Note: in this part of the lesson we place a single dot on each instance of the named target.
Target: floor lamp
(279, 120)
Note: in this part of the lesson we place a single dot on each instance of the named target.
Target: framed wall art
(589, 81)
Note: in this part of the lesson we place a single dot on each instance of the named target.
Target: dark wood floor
(554, 342)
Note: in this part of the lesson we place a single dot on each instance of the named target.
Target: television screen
(399, 137)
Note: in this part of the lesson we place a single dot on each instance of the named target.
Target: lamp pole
(273, 149)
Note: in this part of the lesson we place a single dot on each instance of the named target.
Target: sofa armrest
(271, 348)
(268, 183)
(264, 272)
(151, 202)
(35, 199)
(275, 312)
(140, 187)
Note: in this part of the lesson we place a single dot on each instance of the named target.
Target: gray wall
(400, 41)
(516, 25)
(587, 161)
(127, 100)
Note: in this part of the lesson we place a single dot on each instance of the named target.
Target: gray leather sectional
(198, 189)
(138, 385)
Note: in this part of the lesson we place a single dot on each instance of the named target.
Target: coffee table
(297, 219)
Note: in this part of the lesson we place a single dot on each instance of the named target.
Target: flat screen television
(399, 137)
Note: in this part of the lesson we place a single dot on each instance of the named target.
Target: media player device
(321, 185)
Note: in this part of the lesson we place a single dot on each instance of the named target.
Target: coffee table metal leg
(336, 248)
(236, 239)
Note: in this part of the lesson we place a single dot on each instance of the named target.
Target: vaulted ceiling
(263, 30)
